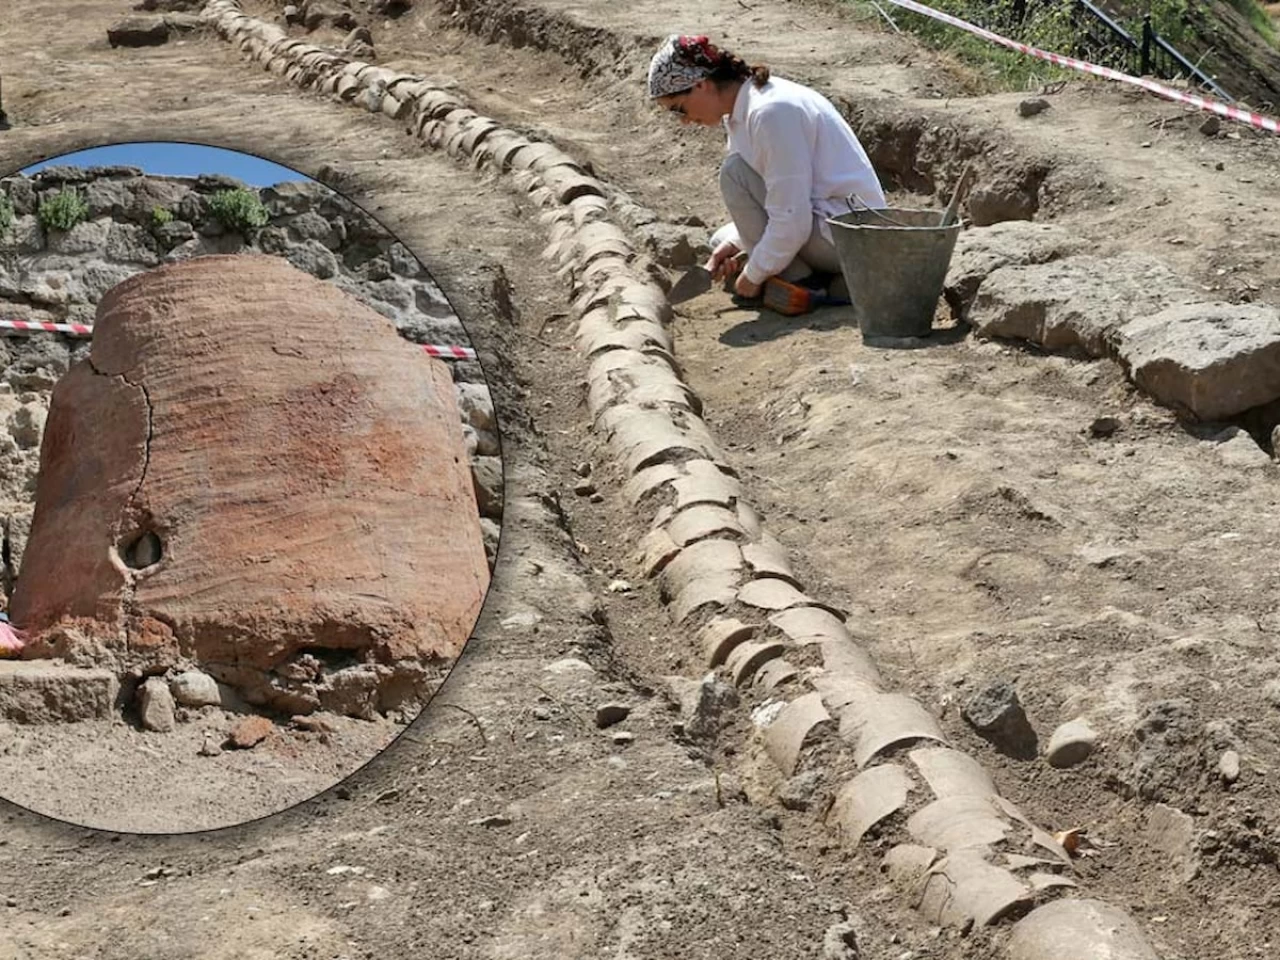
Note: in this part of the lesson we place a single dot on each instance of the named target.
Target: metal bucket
(895, 263)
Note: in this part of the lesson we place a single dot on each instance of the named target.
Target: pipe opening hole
(142, 551)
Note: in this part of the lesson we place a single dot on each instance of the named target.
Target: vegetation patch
(63, 210)
(239, 210)
(1051, 25)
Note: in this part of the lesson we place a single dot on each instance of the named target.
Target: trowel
(696, 281)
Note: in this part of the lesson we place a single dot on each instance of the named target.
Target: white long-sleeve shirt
(810, 161)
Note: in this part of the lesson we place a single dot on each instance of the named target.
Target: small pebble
(497, 820)
(312, 723)
(584, 489)
(541, 713)
(996, 712)
(607, 714)
(155, 705)
(194, 688)
(1029, 108)
(840, 942)
(1271, 690)
(1104, 427)
(1071, 743)
(619, 586)
(622, 738)
(798, 792)
(1229, 766)
(249, 732)
(583, 469)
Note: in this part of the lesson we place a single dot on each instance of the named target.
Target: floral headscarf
(680, 63)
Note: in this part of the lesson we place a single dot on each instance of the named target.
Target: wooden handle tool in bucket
(949, 215)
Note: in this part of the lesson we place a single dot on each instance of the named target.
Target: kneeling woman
(793, 162)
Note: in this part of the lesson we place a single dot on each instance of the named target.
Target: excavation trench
(919, 152)
(631, 614)
(453, 132)
(700, 366)
(913, 150)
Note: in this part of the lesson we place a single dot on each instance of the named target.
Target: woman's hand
(722, 262)
(745, 288)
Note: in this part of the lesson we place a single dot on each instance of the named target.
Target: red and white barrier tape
(33, 326)
(83, 330)
(1222, 109)
(449, 353)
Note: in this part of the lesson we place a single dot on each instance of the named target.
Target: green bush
(63, 211)
(160, 216)
(1168, 17)
(6, 214)
(238, 210)
(1046, 25)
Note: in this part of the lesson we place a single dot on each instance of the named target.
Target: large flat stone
(1213, 360)
(1078, 302)
(45, 691)
(148, 31)
(981, 251)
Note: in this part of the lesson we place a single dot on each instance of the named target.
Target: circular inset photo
(250, 487)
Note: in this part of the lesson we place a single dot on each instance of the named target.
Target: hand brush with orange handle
(792, 299)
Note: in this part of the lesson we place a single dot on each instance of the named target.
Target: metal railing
(1152, 56)
(1160, 59)
(1102, 40)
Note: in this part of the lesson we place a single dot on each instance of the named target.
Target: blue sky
(177, 159)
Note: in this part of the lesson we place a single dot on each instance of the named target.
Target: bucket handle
(853, 209)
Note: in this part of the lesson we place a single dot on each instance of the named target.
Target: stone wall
(136, 222)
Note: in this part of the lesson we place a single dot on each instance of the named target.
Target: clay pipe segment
(949, 214)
